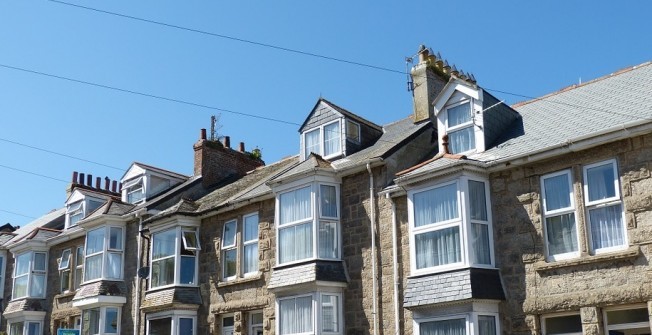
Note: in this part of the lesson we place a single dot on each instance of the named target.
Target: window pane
(328, 202)
(22, 263)
(564, 325)
(459, 114)
(95, 241)
(295, 205)
(557, 192)
(443, 327)
(16, 328)
(296, 315)
(486, 325)
(436, 205)
(92, 205)
(257, 318)
(33, 328)
(438, 247)
(91, 322)
(37, 288)
(295, 243)
(164, 244)
(481, 249)
(114, 265)
(250, 258)
(312, 143)
(115, 238)
(461, 140)
(230, 257)
(332, 141)
(160, 326)
(93, 268)
(187, 270)
(607, 228)
(65, 260)
(600, 181)
(329, 313)
(39, 261)
(111, 321)
(251, 228)
(228, 321)
(477, 200)
(190, 239)
(328, 247)
(163, 272)
(185, 326)
(627, 316)
(20, 287)
(352, 131)
(228, 239)
(562, 234)
(157, 184)
(65, 280)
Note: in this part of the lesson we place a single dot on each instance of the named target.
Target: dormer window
(324, 140)
(78, 210)
(352, 131)
(135, 191)
(459, 127)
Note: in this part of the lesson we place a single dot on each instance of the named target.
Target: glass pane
(33, 328)
(352, 131)
(91, 322)
(65, 280)
(190, 239)
(600, 181)
(328, 202)
(435, 205)
(160, 326)
(37, 288)
(562, 234)
(481, 248)
(295, 243)
(607, 228)
(627, 316)
(296, 315)
(20, 287)
(295, 205)
(16, 328)
(477, 200)
(228, 321)
(164, 244)
(115, 238)
(39, 261)
(443, 327)
(95, 241)
(251, 228)
(230, 257)
(228, 240)
(80, 256)
(328, 247)
(92, 205)
(332, 141)
(65, 260)
(111, 321)
(163, 272)
(461, 140)
(486, 325)
(329, 313)
(257, 318)
(187, 270)
(114, 265)
(438, 247)
(93, 268)
(185, 326)
(22, 263)
(312, 143)
(79, 272)
(459, 114)
(250, 258)
(563, 325)
(557, 192)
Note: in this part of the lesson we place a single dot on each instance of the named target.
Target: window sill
(631, 252)
(167, 287)
(65, 294)
(242, 280)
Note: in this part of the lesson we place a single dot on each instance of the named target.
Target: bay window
(450, 226)
(306, 215)
(104, 253)
(172, 323)
(476, 323)
(25, 328)
(460, 128)
(324, 140)
(313, 313)
(559, 212)
(101, 321)
(30, 275)
(174, 257)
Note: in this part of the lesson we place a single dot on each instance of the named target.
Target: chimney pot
(119, 187)
(107, 182)
(227, 142)
(444, 143)
(114, 185)
(242, 147)
(202, 134)
(89, 180)
(82, 176)
(98, 183)
(74, 177)
(423, 53)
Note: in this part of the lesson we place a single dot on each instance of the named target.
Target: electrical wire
(33, 173)
(14, 213)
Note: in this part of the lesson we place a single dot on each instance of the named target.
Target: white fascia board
(174, 221)
(28, 245)
(461, 166)
(103, 220)
(19, 316)
(99, 300)
(450, 88)
(66, 235)
(133, 171)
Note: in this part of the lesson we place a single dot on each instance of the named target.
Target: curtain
(93, 268)
(115, 238)
(295, 242)
(562, 234)
(458, 115)
(312, 142)
(162, 272)
(164, 244)
(600, 181)
(114, 265)
(20, 286)
(461, 140)
(477, 200)
(438, 247)
(436, 205)
(481, 249)
(332, 139)
(95, 241)
(295, 205)
(33, 328)
(251, 258)
(558, 193)
(486, 325)
(22, 262)
(328, 239)
(296, 315)
(607, 226)
(444, 327)
(251, 228)
(328, 201)
(37, 287)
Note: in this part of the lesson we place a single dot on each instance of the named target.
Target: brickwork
(215, 162)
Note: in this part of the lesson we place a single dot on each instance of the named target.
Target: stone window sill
(238, 281)
(631, 252)
(65, 294)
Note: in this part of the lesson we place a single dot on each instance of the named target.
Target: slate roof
(344, 112)
(54, 218)
(562, 117)
(103, 287)
(168, 298)
(157, 169)
(312, 163)
(308, 273)
(111, 207)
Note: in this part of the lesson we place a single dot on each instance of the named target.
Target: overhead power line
(14, 213)
(33, 173)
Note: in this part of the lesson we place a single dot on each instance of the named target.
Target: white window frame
(624, 326)
(544, 331)
(81, 207)
(225, 329)
(226, 248)
(572, 209)
(314, 219)
(246, 243)
(462, 126)
(3, 269)
(178, 244)
(463, 221)
(25, 326)
(106, 251)
(102, 319)
(316, 306)
(65, 266)
(175, 323)
(80, 251)
(255, 326)
(31, 273)
(471, 321)
(615, 200)
(134, 186)
(322, 140)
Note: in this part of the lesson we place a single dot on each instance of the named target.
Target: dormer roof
(325, 104)
(137, 168)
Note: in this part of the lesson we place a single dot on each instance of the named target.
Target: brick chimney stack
(216, 161)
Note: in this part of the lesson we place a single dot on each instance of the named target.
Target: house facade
(469, 216)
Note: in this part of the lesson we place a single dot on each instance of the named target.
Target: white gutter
(397, 319)
(372, 227)
(136, 315)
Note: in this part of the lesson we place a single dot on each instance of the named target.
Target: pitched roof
(312, 163)
(156, 169)
(342, 111)
(53, 218)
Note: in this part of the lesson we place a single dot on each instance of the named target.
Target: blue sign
(68, 332)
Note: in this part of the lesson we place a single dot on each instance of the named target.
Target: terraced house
(466, 216)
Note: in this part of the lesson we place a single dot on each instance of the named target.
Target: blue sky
(522, 47)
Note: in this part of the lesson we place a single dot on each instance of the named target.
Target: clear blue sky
(524, 47)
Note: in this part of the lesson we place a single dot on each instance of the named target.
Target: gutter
(374, 279)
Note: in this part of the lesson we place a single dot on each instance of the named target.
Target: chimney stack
(242, 147)
(227, 142)
(81, 178)
(427, 84)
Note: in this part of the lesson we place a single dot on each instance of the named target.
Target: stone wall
(60, 303)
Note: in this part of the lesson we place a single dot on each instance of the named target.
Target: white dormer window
(78, 210)
(459, 127)
(324, 140)
(134, 190)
